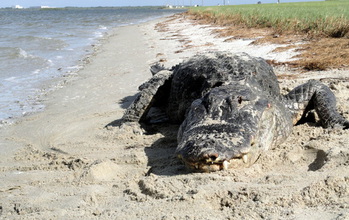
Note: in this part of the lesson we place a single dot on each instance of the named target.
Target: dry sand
(63, 163)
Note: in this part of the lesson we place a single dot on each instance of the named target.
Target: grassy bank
(328, 18)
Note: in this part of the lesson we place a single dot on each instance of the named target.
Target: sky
(94, 3)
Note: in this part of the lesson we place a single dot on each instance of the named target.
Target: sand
(72, 161)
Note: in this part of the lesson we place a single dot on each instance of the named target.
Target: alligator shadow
(161, 154)
(124, 104)
(127, 101)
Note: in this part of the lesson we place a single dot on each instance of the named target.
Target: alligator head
(228, 128)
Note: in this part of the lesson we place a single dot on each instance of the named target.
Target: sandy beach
(72, 161)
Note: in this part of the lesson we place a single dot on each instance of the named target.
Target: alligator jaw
(218, 164)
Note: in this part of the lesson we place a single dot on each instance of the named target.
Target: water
(37, 46)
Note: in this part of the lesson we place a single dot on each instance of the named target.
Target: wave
(24, 54)
(102, 27)
(15, 61)
(97, 34)
(40, 43)
(9, 53)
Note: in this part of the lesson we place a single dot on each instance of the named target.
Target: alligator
(229, 108)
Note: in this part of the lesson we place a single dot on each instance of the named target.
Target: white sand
(63, 163)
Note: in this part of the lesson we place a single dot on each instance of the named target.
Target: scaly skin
(230, 108)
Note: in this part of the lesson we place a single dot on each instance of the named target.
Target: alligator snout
(210, 156)
(209, 162)
(213, 157)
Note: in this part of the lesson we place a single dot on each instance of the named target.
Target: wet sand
(71, 161)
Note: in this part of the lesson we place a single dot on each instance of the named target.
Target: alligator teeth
(245, 158)
(225, 165)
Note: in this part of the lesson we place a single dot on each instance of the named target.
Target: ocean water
(37, 46)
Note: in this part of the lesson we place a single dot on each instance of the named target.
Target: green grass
(328, 18)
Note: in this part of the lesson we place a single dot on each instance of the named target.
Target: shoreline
(63, 163)
(68, 80)
(54, 76)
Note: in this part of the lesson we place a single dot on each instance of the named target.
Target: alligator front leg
(148, 91)
(315, 95)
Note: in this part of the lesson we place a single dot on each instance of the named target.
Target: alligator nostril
(213, 157)
(210, 156)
